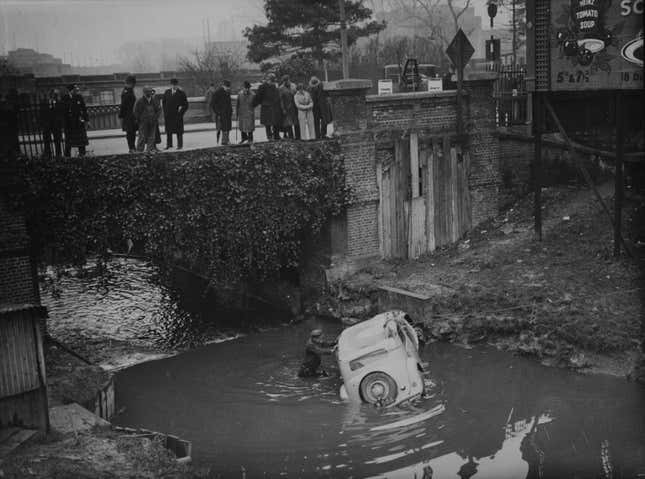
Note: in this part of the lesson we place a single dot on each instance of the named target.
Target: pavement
(196, 135)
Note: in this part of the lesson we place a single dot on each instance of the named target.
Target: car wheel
(378, 388)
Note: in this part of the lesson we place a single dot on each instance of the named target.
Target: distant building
(27, 60)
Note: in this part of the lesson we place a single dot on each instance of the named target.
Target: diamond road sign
(460, 47)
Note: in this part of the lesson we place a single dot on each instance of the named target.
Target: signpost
(459, 51)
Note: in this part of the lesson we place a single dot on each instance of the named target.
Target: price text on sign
(596, 44)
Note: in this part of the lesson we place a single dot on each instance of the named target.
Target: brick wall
(368, 125)
(16, 280)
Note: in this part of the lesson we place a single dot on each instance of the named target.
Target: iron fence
(511, 94)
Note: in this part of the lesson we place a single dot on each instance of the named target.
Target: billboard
(588, 44)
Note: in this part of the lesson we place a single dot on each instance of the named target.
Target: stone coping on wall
(411, 96)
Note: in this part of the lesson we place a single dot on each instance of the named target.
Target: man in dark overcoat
(76, 121)
(126, 113)
(268, 96)
(223, 110)
(52, 119)
(322, 109)
(175, 104)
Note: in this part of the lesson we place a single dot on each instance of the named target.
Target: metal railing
(511, 94)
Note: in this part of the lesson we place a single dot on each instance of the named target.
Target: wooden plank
(439, 216)
(414, 164)
(430, 203)
(417, 228)
(387, 212)
(454, 210)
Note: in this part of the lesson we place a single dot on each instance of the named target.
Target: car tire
(378, 388)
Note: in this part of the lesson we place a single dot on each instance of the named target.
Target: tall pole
(538, 108)
(343, 39)
(620, 149)
(514, 36)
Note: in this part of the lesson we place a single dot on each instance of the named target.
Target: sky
(89, 32)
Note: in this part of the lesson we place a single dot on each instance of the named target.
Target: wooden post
(414, 163)
(619, 186)
(343, 39)
(537, 163)
(460, 84)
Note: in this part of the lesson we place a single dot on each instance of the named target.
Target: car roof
(367, 335)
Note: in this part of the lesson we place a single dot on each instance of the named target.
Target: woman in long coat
(76, 119)
(268, 96)
(246, 112)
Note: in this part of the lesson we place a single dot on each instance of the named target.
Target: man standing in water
(315, 348)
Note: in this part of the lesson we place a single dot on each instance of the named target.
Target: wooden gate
(424, 197)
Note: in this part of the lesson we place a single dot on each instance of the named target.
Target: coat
(303, 100)
(146, 111)
(245, 111)
(268, 97)
(223, 108)
(322, 109)
(51, 116)
(289, 111)
(174, 107)
(126, 110)
(75, 119)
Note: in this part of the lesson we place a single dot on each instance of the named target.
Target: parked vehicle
(379, 360)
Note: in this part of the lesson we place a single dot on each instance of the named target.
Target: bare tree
(431, 14)
(211, 64)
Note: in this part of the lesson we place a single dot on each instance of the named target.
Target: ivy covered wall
(233, 214)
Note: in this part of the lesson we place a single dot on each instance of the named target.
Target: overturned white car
(379, 360)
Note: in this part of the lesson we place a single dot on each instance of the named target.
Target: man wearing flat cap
(175, 104)
(316, 347)
(75, 121)
(146, 113)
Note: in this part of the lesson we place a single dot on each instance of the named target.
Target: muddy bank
(565, 300)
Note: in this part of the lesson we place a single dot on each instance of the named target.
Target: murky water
(489, 414)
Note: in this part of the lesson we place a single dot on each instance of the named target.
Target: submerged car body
(379, 360)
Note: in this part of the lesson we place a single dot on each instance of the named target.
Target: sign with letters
(596, 44)
(385, 87)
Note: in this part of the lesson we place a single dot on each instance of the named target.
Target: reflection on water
(489, 415)
(127, 304)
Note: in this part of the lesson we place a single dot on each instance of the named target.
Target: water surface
(489, 415)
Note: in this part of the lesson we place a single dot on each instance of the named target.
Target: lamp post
(343, 39)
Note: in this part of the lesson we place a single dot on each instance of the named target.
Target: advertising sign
(435, 84)
(596, 44)
(385, 87)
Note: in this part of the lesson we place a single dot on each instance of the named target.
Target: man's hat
(147, 89)
(71, 86)
(316, 333)
(173, 81)
(131, 79)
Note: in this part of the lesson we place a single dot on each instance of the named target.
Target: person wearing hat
(175, 104)
(246, 113)
(223, 111)
(126, 113)
(316, 346)
(322, 109)
(76, 121)
(146, 113)
(268, 96)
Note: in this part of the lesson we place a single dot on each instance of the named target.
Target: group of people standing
(142, 116)
(286, 109)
